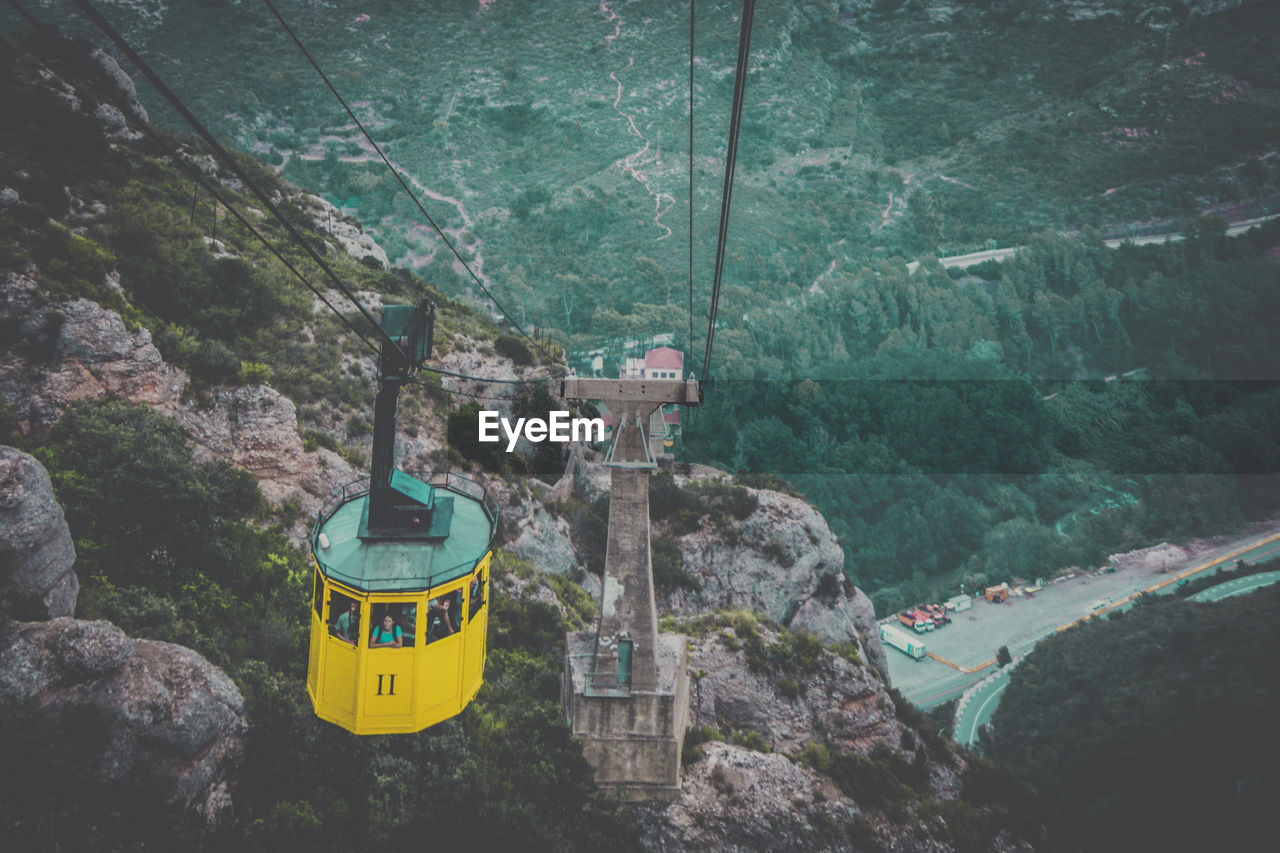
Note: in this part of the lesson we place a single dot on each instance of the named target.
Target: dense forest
(1153, 729)
(1072, 402)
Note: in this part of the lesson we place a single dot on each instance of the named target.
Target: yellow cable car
(399, 604)
(399, 614)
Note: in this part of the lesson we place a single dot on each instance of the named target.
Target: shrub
(751, 739)
(214, 362)
(254, 373)
(668, 567)
(790, 688)
(828, 586)
(514, 349)
(693, 740)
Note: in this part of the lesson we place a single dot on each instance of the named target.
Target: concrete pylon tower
(626, 687)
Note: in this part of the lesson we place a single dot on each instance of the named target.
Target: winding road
(980, 705)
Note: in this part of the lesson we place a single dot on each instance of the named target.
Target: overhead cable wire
(475, 396)
(400, 178)
(458, 393)
(199, 177)
(533, 381)
(202, 180)
(731, 155)
(691, 180)
(227, 158)
(204, 183)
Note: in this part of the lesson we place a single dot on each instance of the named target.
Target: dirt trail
(635, 163)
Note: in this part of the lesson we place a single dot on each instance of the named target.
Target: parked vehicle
(997, 594)
(926, 617)
(938, 612)
(904, 642)
(915, 622)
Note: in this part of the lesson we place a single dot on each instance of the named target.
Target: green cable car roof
(463, 523)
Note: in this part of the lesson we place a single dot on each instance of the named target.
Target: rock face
(736, 799)
(782, 561)
(776, 567)
(123, 82)
(351, 238)
(169, 712)
(76, 349)
(836, 701)
(35, 544)
(761, 689)
(543, 539)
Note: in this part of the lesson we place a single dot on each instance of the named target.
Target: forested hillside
(954, 427)
(174, 544)
(1070, 403)
(1153, 728)
(178, 549)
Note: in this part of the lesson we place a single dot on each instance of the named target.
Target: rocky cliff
(169, 714)
(795, 747)
(783, 561)
(73, 349)
(780, 560)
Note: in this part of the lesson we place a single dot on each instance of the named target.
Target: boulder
(170, 714)
(35, 544)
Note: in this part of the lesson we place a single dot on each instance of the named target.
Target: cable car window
(393, 625)
(477, 593)
(444, 615)
(387, 628)
(317, 595)
(344, 617)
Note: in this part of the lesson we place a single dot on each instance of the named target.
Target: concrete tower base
(632, 737)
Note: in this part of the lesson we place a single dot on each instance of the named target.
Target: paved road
(983, 703)
(978, 712)
(975, 258)
(1239, 586)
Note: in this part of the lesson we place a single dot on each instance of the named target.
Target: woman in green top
(387, 635)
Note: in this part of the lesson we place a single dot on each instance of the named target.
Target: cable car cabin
(399, 612)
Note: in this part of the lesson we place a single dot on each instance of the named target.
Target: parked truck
(938, 612)
(915, 621)
(901, 640)
(926, 617)
(997, 594)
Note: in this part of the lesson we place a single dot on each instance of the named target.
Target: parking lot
(974, 635)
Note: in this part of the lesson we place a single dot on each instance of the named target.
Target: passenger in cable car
(386, 635)
(476, 595)
(440, 618)
(347, 625)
